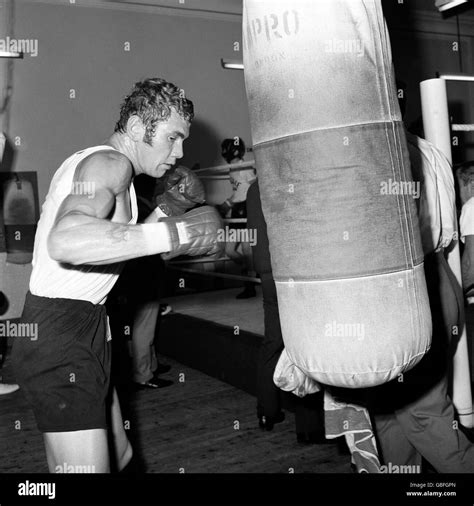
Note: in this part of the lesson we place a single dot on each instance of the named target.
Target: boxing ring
(220, 306)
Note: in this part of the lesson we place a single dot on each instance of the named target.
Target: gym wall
(68, 96)
(424, 43)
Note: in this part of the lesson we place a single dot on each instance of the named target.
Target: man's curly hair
(151, 100)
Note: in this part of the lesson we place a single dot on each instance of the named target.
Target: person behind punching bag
(309, 414)
(86, 231)
(414, 415)
(175, 193)
(235, 206)
(268, 394)
(465, 178)
(415, 410)
(134, 303)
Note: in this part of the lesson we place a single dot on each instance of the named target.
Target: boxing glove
(182, 190)
(194, 233)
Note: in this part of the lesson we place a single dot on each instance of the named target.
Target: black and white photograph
(236, 252)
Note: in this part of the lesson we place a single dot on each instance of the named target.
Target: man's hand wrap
(195, 233)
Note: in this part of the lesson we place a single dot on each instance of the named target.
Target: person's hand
(182, 191)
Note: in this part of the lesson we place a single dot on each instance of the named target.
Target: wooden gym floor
(201, 425)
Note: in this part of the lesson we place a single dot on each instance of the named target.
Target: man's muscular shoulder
(106, 169)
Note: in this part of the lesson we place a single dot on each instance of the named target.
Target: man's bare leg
(123, 448)
(86, 451)
(81, 451)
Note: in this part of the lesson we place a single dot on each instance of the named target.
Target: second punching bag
(335, 181)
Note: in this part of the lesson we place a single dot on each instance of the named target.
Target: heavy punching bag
(334, 176)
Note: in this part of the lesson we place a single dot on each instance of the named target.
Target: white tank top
(53, 279)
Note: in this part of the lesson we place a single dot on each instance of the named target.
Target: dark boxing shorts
(65, 372)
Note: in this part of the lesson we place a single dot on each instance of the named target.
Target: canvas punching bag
(334, 173)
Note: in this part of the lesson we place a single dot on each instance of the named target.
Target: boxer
(86, 231)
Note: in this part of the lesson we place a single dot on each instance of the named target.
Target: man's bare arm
(82, 234)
